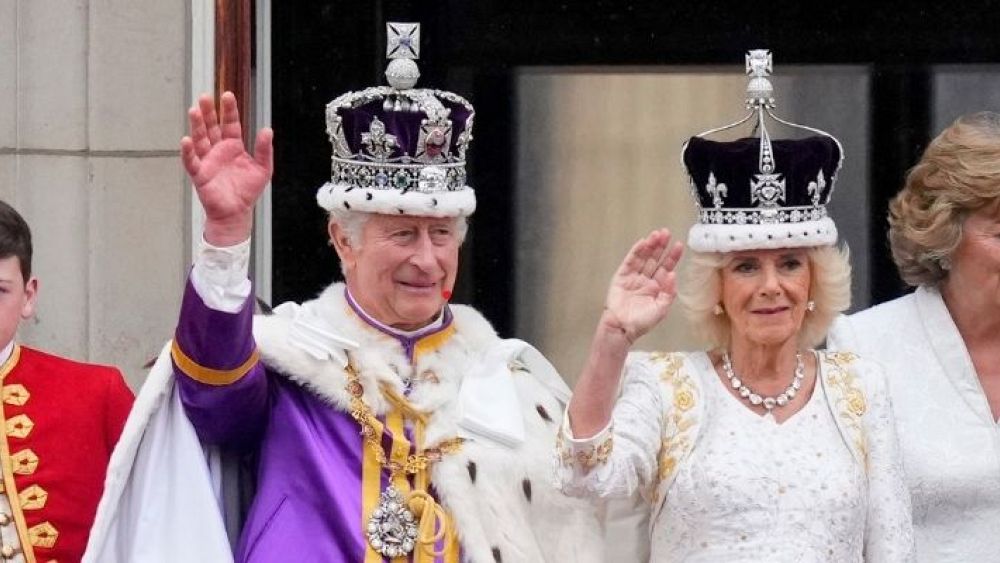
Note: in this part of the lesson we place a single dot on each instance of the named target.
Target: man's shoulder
(55, 378)
(38, 360)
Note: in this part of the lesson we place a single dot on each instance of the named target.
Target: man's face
(402, 267)
(17, 298)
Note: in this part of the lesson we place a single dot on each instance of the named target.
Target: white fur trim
(502, 498)
(458, 203)
(731, 238)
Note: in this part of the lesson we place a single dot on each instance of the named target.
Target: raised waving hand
(644, 286)
(640, 295)
(228, 179)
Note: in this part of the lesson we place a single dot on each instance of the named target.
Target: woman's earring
(810, 305)
(717, 310)
(945, 263)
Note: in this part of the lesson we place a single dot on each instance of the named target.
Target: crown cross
(377, 141)
(759, 63)
(767, 189)
(402, 40)
(759, 90)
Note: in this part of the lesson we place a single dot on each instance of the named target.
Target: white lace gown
(749, 489)
(949, 439)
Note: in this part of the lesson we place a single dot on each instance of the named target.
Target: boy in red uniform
(61, 419)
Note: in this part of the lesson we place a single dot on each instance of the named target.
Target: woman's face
(764, 293)
(975, 263)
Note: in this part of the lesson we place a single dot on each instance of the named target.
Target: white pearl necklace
(756, 399)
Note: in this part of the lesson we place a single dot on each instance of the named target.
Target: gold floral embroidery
(594, 455)
(43, 535)
(15, 394)
(856, 402)
(843, 360)
(33, 498)
(851, 404)
(684, 399)
(675, 441)
(25, 462)
(586, 458)
(19, 426)
(667, 464)
(672, 364)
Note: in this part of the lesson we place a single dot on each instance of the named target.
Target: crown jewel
(395, 143)
(759, 192)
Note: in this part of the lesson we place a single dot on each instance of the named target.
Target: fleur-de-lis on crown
(377, 141)
(816, 188)
(718, 190)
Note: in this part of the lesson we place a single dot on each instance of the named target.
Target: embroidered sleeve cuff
(210, 376)
(584, 453)
(219, 275)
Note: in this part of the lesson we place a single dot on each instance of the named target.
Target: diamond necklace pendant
(756, 399)
(392, 528)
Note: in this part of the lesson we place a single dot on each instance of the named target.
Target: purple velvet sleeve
(225, 411)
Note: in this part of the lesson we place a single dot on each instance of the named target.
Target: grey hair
(353, 224)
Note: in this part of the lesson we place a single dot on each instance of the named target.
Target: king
(387, 424)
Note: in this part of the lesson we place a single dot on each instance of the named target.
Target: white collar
(6, 352)
(949, 348)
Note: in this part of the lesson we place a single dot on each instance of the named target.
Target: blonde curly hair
(958, 174)
(700, 291)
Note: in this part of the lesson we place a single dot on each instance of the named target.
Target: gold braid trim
(429, 513)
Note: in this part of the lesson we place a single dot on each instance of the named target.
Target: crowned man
(390, 425)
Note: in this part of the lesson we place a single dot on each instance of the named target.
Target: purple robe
(308, 505)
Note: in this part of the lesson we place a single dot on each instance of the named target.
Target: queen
(759, 448)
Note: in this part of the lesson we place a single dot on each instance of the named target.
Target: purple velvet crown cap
(406, 126)
(746, 205)
(800, 162)
(399, 149)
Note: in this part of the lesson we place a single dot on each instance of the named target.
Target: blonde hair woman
(940, 345)
(760, 448)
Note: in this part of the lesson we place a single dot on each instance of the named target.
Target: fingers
(206, 104)
(263, 150)
(668, 263)
(652, 256)
(637, 257)
(660, 251)
(671, 256)
(231, 128)
(199, 134)
(189, 157)
(668, 290)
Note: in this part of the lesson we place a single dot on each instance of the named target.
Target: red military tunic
(61, 419)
